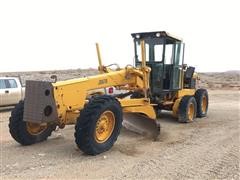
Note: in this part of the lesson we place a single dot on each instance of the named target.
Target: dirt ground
(205, 149)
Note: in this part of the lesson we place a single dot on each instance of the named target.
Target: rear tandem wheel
(187, 109)
(27, 133)
(201, 96)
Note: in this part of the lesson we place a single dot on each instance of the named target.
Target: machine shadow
(167, 117)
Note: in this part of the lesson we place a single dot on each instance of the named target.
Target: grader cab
(170, 79)
(158, 81)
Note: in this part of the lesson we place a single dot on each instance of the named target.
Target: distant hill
(220, 80)
(45, 75)
(210, 80)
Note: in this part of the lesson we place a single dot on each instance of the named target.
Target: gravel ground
(205, 149)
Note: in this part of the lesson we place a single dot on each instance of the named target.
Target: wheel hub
(191, 112)
(204, 104)
(104, 126)
(35, 128)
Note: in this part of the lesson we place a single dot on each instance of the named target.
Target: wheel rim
(191, 111)
(204, 104)
(104, 126)
(35, 128)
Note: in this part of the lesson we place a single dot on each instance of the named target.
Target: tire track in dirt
(210, 151)
(200, 159)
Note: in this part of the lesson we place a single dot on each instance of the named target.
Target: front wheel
(27, 133)
(98, 125)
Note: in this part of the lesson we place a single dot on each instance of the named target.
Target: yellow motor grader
(159, 80)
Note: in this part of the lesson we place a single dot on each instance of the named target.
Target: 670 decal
(102, 81)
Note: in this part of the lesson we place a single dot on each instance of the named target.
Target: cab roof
(155, 34)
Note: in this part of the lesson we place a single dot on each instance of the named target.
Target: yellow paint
(148, 110)
(70, 95)
(71, 117)
(35, 128)
(175, 107)
(190, 112)
(134, 102)
(141, 105)
(100, 66)
(143, 51)
(184, 92)
(104, 126)
(180, 94)
(145, 69)
(204, 104)
(129, 105)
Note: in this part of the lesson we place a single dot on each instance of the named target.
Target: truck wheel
(201, 96)
(98, 125)
(187, 109)
(27, 133)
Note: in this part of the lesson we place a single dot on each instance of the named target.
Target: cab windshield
(154, 52)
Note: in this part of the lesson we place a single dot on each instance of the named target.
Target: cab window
(139, 51)
(158, 51)
(169, 54)
(11, 83)
(2, 84)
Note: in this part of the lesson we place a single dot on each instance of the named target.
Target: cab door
(177, 66)
(13, 91)
(156, 81)
(3, 93)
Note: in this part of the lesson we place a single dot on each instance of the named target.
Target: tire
(201, 96)
(87, 123)
(185, 104)
(19, 128)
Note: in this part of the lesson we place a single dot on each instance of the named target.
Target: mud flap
(141, 124)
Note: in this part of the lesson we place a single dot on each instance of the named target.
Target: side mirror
(184, 66)
(54, 77)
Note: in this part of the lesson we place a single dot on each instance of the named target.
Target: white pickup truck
(11, 91)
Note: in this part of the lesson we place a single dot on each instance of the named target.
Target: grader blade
(141, 124)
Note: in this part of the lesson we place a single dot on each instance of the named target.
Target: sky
(57, 34)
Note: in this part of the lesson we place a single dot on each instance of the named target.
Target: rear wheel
(98, 125)
(201, 96)
(187, 109)
(27, 133)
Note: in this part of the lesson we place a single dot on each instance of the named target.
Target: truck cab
(11, 91)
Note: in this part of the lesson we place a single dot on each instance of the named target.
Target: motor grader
(159, 80)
